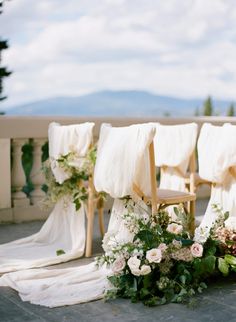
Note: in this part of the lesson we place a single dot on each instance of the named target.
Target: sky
(176, 48)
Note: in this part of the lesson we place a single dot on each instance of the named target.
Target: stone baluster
(36, 174)
(18, 179)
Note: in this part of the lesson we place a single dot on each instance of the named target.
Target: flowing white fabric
(216, 155)
(116, 158)
(65, 227)
(174, 145)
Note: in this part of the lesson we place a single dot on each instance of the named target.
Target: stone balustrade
(17, 205)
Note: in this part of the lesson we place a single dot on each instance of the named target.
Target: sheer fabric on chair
(122, 153)
(217, 162)
(174, 146)
(65, 227)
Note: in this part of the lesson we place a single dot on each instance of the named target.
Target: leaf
(146, 236)
(209, 263)
(230, 259)
(176, 211)
(182, 279)
(144, 293)
(223, 266)
(60, 252)
(226, 215)
(186, 242)
(77, 204)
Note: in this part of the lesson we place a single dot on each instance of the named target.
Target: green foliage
(4, 72)
(60, 252)
(160, 266)
(77, 172)
(223, 266)
(208, 107)
(231, 111)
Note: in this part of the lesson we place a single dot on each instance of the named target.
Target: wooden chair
(161, 198)
(92, 205)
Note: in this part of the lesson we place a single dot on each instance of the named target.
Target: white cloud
(181, 48)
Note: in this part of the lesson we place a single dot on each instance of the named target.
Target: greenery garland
(77, 172)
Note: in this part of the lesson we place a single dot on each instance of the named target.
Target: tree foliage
(231, 110)
(208, 107)
(4, 72)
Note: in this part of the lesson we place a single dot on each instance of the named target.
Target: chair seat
(171, 197)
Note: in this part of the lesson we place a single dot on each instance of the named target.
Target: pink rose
(175, 228)
(118, 265)
(162, 247)
(196, 250)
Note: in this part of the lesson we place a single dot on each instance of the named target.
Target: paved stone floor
(217, 303)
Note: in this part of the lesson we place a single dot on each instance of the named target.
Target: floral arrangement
(162, 263)
(75, 171)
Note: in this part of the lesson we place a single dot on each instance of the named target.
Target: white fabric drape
(119, 151)
(174, 145)
(65, 227)
(216, 154)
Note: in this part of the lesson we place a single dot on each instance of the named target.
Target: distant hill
(116, 103)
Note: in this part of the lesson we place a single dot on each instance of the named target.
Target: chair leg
(90, 223)
(192, 217)
(101, 221)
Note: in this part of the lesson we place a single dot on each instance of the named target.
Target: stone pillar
(36, 174)
(5, 173)
(18, 179)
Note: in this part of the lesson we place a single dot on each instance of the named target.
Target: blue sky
(178, 48)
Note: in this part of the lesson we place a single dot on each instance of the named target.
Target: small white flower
(201, 234)
(145, 269)
(134, 263)
(154, 255)
(196, 250)
(118, 265)
(177, 243)
(174, 228)
(108, 241)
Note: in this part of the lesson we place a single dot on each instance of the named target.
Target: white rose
(136, 272)
(175, 228)
(118, 265)
(154, 255)
(196, 250)
(134, 263)
(145, 269)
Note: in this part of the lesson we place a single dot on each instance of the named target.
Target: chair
(145, 189)
(217, 165)
(161, 198)
(92, 204)
(174, 147)
(63, 233)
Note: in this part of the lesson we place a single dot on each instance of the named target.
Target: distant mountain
(116, 103)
